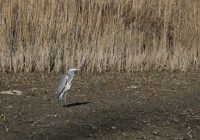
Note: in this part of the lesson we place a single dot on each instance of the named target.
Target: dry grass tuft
(112, 35)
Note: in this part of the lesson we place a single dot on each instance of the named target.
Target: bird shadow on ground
(76, 104)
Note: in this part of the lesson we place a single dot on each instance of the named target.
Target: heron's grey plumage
(64, 83)
(61, 85)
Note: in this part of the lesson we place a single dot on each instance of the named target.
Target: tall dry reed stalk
(99, 35)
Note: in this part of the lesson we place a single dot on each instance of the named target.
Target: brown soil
(151, 105)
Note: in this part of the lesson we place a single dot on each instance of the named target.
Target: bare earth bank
(148, 105)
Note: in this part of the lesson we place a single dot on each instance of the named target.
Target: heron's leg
(65, 99)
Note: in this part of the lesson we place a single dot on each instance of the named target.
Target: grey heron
(64, 84)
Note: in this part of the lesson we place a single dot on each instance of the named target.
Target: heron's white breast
(67, 87)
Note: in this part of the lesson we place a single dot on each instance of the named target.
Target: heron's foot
(64, 105)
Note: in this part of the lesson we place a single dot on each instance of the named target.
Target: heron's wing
(61, 84)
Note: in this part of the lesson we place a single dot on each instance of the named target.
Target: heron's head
(73, 69)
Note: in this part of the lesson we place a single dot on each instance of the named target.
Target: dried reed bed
(99, 35)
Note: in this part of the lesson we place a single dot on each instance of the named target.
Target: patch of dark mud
(110, 106)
